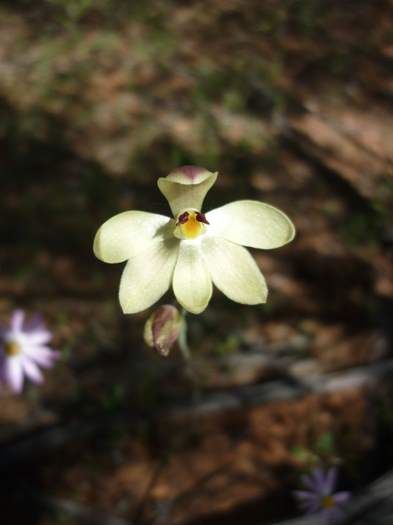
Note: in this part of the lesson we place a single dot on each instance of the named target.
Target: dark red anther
(183, 218)
(200, 217)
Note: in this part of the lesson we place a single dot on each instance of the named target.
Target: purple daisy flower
(319, 496)
(23, 349)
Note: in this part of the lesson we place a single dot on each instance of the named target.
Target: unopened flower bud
(163, 328)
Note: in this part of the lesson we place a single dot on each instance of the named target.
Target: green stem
(186, 353)
(182, 340)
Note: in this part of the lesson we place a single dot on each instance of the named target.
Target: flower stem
(182, 340)
(186, 353)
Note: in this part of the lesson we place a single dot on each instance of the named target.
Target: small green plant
(228, 346)
(361, 229)
(74, 10)
(322, 450)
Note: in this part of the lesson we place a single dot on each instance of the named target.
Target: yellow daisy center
(190, 224)
(12, 348)
(328, 502)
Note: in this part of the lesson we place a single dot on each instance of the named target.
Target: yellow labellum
(190, 224)
(192, 228)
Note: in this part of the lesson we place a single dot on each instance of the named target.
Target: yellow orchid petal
(234, 271)
(192, 283)
(186, 188)
(128, 234)
(251, 223)
(147, 276)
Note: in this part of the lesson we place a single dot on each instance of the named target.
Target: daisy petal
(319, 480)
(13, 374)
(331, 516)
(303, 495)
(234, 271)
(330, 480)
(308, 482)
(341, 497)
(251, 223)
(17, 319)
(41, 355)
(307, 501)
(192, 283)
(32, 371)
(147, 276)
(38, 337)
(186, 193)
(128, 234)
(311, 507)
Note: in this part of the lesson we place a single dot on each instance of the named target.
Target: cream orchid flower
(193, 250)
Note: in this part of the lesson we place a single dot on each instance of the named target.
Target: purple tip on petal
(191, 172)
(189, 175)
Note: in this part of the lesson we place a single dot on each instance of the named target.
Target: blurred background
(290, 100)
